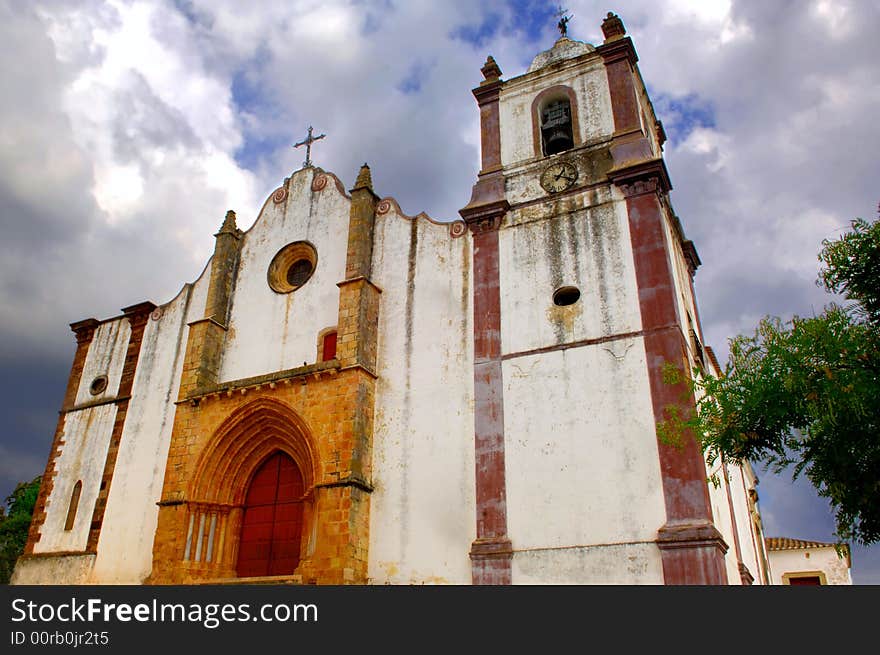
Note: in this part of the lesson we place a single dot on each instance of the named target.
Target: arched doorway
(271, 529)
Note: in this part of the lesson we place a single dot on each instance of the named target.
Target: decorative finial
(612, 27)
(562, 25)
(364, 179)
(307, 142)
(490, 70)
(228, 222)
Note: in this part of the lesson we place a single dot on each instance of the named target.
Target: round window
(98, 385)
(566, 296)
(292, 267)
(299, 272)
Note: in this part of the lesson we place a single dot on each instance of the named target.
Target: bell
(558, 140)
(556, 128)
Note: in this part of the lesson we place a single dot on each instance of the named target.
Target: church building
(351, 395)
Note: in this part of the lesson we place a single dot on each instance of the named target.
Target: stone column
(204, 346)
(491, 553)
(691, 547)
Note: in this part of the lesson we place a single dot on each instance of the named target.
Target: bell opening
(556, 131)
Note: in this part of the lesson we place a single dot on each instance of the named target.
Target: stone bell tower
(582, 292)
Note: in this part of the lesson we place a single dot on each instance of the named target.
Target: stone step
(267, 579)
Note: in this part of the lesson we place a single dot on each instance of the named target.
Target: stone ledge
(261, 580)
(330, 367)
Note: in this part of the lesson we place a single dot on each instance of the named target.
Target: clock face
(558, 177)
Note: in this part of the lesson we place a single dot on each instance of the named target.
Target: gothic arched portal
(251, 495)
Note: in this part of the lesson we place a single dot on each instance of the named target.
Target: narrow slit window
(74, 503)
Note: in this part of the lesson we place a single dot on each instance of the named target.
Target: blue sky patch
(533, 17)
(245, 93)
(249, 98)
(373, 16)
(681, 115)
(412, 83)
(479, 35)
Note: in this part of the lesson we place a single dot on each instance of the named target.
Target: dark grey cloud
(32, 388)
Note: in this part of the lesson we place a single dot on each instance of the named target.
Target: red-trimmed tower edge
(691, 547)
(491, 552)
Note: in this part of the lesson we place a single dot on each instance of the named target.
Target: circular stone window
(292, 266)
(98, 385)
(564, 296)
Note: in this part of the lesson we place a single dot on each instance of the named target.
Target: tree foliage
(806, 393)
(15, 520)
(852, 268)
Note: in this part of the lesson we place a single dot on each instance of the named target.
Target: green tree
(15, 520)
(806, 393)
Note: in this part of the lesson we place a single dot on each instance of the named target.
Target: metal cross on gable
(307, 142)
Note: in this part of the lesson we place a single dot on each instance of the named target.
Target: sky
(129, 127)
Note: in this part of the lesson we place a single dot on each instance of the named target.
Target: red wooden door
(809, 580)
(271, 528)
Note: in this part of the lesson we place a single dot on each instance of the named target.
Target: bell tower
(583, 291)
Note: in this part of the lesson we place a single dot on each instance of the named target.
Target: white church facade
(351, 395)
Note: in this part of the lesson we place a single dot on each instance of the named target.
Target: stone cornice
(350, 481)
(645, 177)
(140, 309)
(488, 92)
(618, 49)
(330, 367)
(485, 218)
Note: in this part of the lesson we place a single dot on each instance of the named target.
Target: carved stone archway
(216, 496)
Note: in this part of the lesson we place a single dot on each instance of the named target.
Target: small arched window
(74, 503)
(556, 127)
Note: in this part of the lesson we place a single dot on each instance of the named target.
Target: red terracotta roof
(787, 543)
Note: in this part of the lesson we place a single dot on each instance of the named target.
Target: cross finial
(562, 25)
(307, 142)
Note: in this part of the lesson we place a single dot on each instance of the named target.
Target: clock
(558, 177)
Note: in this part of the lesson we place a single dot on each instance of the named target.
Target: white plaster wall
(269, 331)
(106, 356)
(646, 113)
(125, 548)
(582, 463)
(685, 303)
(590, 85)
(422, 516)
(805, 560)
(589, 249)
(616, 564)
(64, 569)
(86, 438)
(738, 491)
(718, 499)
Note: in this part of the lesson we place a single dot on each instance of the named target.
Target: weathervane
(307, 142)
(563, 21)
